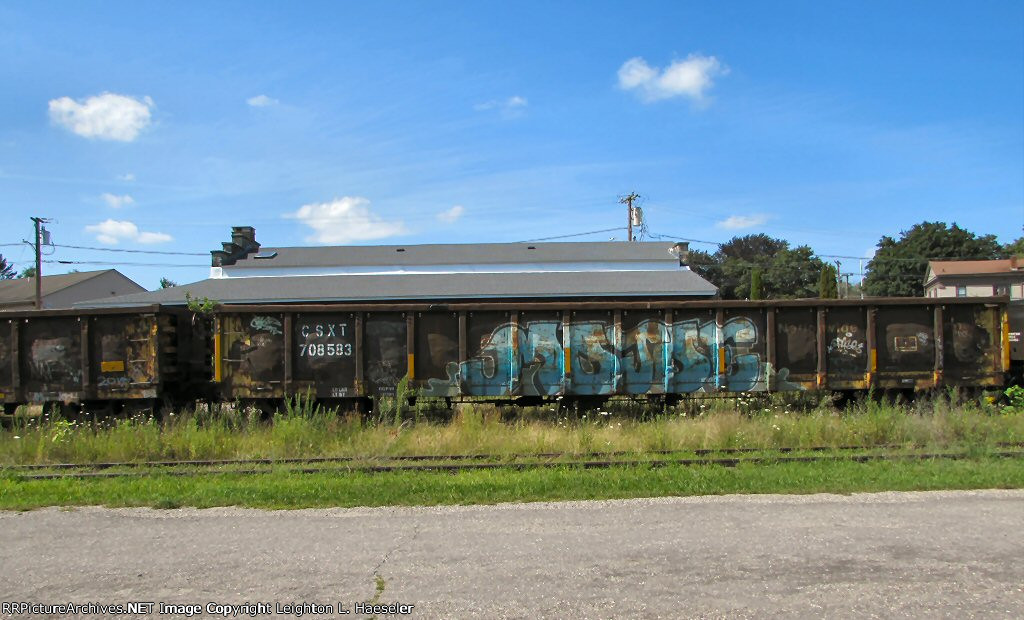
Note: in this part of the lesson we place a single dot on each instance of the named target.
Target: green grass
(288, 490)
(309, 431)
(303, 430)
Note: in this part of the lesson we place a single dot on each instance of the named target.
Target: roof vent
(531, 247)
(266, 255)
(400, 250)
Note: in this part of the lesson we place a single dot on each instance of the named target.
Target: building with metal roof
(245, 272)
(65, 290)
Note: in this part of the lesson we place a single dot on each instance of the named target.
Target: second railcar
(602, 349)
(101, 359)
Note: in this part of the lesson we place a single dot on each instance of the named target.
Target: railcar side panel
(971, 345)
(906, 347)
(591, 354)
(50, 358)
(694, 351)
(384, 352)
(123, 361)
(492, 367)
(742, 343)
(645, 352)
(7, 361)
(796, 349)
(324, 354)
(436, 354)
(541, 358)
(1015, 331)
(252, 354)
(847, 350)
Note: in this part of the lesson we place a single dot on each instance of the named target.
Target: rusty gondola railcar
(102, 359)
(537, 350)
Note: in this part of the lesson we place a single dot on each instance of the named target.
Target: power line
(85, 247)
(89, 262)
(592, 232)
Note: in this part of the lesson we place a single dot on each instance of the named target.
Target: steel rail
(598, 464)
(453, 457)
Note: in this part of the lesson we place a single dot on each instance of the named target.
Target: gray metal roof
(347, 288)
(20, 290)
(460, 253)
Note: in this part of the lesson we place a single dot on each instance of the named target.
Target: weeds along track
(455, 463)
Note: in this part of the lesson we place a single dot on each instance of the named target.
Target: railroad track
(434, 462)
(453, 457)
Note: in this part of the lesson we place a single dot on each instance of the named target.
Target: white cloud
(344, 220)
(691, 78)
(112, 232)
(737, 222)
(512, 105)
(449, 216)
(105, 117)
(128, 176)
(261, 101)
(115, 201)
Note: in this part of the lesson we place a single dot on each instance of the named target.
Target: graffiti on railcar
(847, 349)
(267, 324)
(489, 372)
(593, 358)
(653, 359)
(55, 360)
(644, 357)
(258, 351)
(542, 358)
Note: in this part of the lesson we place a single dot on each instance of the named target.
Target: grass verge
(747, 422)
(283, 490)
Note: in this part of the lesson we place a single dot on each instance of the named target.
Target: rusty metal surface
(7, 359)
(847, 347)
(324, 354)
(502, 350)
(707, 347)
(75, 357)
(385, 357)
(1015, 335)
(252, 354)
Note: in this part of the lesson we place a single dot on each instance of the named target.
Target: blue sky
(156, 127)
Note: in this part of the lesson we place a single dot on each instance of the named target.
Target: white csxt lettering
(331, 330)
(330, 349)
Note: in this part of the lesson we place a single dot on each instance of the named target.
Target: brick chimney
(243, 243)
(681, 250)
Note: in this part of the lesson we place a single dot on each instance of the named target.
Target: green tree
(6, 269)
(793, 274)
(167, 283)
(28, 272)
(706, 266)
(828, 288)
(1014, 249)
(755, 283)
(785, 272)
(898, 267)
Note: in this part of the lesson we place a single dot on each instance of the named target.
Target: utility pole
(39, 221)
(628, 201)
(839, 280)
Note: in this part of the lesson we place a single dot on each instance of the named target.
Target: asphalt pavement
(933, 554)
